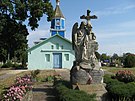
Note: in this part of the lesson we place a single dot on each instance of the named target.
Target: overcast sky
(114, 28)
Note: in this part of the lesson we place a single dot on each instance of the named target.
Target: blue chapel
(54, 52)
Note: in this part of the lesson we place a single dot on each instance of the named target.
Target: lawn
(0, 65)
(9, 81)
(116, 69)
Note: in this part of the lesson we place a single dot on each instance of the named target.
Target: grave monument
(86, 67)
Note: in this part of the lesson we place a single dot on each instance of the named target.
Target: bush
(63, 82)
(120, 91)
(35, 73)
(66, 94)
(7, 65)
(129, 60)
(49, 79)
(18, 67)
(125, 76)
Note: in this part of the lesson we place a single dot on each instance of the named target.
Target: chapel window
(47, 57)
(67, 57)
(57, 46)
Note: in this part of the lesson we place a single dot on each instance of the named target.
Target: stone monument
(86, 67)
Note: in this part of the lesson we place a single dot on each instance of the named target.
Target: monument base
(97, 76)
(86, 76)
(97, 89)
(79, 76)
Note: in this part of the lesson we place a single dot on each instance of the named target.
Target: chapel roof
(44, 41)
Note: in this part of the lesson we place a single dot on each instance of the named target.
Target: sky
(114, 28)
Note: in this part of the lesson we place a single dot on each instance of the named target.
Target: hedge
(66, 94)
(120, 91)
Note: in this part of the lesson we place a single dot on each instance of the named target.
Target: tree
(129, 60)
(13, 36)
(115, 56)
(104, 57)
(13, 31)
(21, 10)
(116, 60)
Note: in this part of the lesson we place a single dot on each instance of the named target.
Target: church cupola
(58, 22)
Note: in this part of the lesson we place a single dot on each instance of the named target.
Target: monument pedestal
(97, 89)
(97, 76)
(79, 76)
(86, 76)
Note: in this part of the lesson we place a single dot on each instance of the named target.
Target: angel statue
(86, 66)
(78, 37)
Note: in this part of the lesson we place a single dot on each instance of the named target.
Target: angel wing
(74, 31)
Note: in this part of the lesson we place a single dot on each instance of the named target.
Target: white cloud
(118, 48)
(36, 35)
(127, 24)
(130, 7)
(110, 35)
(115, 10)
(117, 38)
(116, 30)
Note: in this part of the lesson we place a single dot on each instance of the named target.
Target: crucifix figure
(88, 17)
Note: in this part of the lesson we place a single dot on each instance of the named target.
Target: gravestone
(86, 68)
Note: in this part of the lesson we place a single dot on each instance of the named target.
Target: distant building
(54, 52)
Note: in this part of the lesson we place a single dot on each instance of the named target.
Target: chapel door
(57, 60)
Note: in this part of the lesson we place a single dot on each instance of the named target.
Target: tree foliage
(115, 56)
(13, 27)
(21, 10)
(104, 57)
(129, 60)
(13, 38)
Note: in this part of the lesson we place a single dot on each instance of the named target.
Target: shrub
(7, 65)
(63, 82)
(49, 79)
(35, 73)
(66, 94)
(125, 76)
(129, 60)
(120, 91)
(17, 66)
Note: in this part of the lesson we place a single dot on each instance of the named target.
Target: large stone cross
(88, 17)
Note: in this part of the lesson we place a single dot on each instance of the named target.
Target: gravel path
(44, 92)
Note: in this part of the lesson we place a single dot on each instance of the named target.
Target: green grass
(0, 65)
(116, 69)
(9, 81)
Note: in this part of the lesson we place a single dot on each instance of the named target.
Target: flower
(19, 89)
(125, 76)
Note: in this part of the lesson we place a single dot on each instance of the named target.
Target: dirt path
(44, 92)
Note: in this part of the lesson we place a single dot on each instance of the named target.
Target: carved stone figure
(84, 44)
(78, 39)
